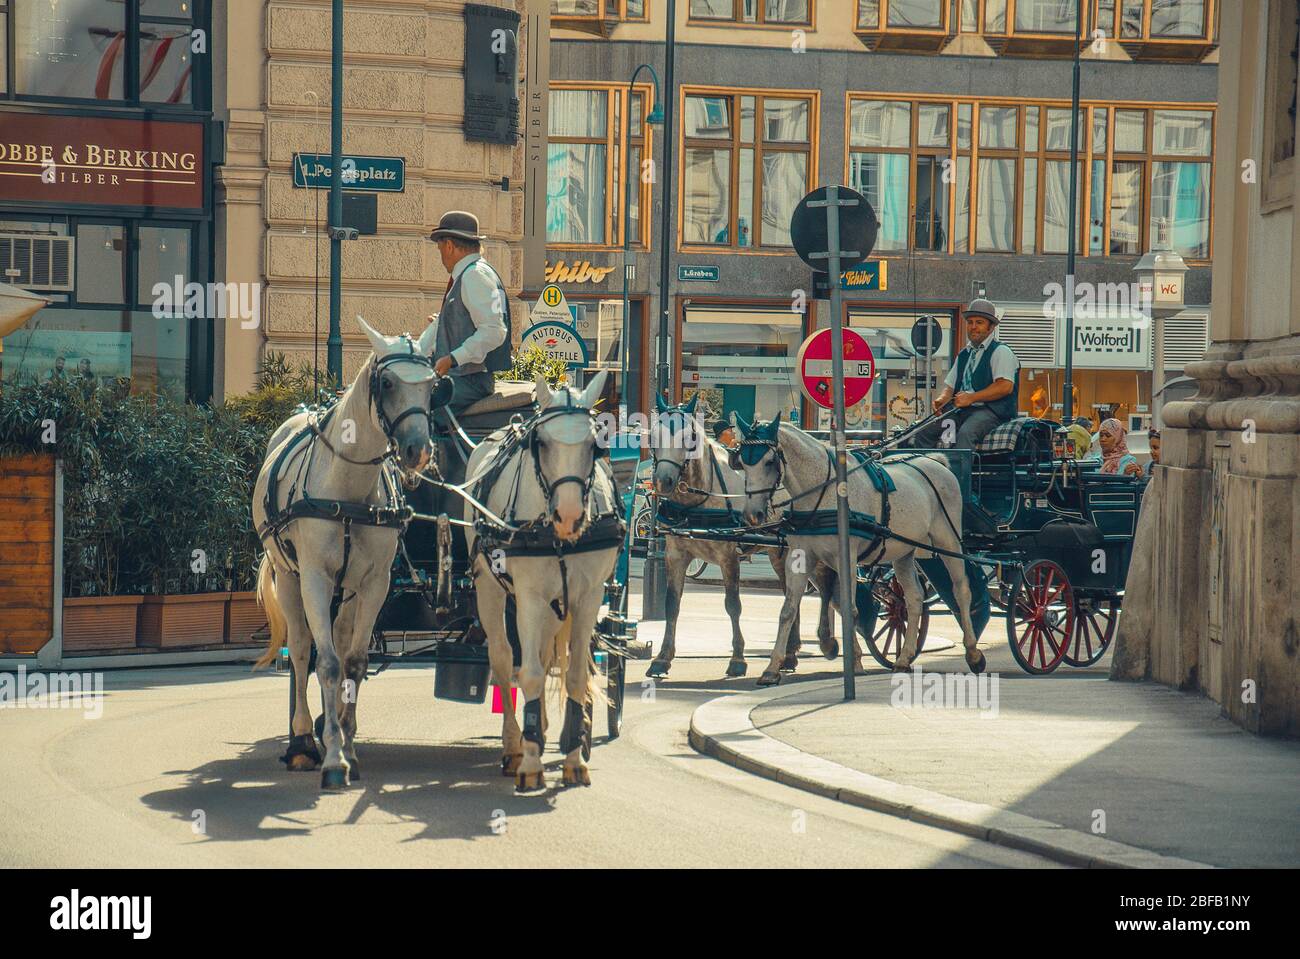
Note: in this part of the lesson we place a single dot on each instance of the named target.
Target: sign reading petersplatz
(377, 174)
(100, 161)
(815, 372)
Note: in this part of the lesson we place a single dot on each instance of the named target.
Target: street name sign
(314, 171)
(698, 274)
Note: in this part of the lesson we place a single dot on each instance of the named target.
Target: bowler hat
(459, 225)
(984, 308)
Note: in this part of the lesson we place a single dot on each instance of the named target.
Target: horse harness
(394, 514)
(537, 537)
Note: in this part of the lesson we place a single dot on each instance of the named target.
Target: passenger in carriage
(473, 337)
(1115, 455)
(1153, 437)
(981, 385)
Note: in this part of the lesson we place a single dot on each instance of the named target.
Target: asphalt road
(180, 749)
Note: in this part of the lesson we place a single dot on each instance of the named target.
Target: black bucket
(461, 682)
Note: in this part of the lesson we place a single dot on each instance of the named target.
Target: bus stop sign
(814, 365)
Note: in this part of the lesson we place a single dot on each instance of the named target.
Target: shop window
(164, 257)
(101, 263)
(746, 165)
(585, 168)
(743, 359)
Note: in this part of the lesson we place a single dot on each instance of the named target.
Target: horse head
(401, 384)
(674, 438)
(565, 443)
(759, 458)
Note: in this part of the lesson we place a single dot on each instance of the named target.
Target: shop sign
(582, 272)
(315, 171)
(869, 277)
(558, 341)
(101, 161)
(1117, 343)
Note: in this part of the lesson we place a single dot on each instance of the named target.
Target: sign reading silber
(380, 174)
(99, 161)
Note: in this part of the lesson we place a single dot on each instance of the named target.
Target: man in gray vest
(473, 338)
(981, 385)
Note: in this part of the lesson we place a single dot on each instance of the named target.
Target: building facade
(1213, 596)
(953, 118)
(169, 131)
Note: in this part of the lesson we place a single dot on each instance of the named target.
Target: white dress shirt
(1002, 366)
(478, 291)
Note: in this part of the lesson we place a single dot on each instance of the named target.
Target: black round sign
(919, 329)
(858, 228)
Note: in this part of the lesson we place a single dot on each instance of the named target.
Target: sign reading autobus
(101, 161)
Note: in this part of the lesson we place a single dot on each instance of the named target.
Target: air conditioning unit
(38, 261)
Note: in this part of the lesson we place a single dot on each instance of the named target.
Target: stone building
(403, 97)
(1213, 598)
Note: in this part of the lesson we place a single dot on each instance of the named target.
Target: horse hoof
(510, 764)
(576, 776)
(978, 667)
(354, 773)
(736, 668)
(658, 669)
(302, 764)
(769, 678)
(336, 778)
(831, 649)
(790, 663)
(528, 782)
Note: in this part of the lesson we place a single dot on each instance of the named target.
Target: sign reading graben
(101, 162)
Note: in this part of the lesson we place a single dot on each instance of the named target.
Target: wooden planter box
(176, 622)
(244, 617)
(100, 622)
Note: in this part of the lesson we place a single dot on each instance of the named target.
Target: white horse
(551, 479)
(924, 507)
(329, 514)
(692, 471)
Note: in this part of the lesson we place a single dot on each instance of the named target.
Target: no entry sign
(815, 368)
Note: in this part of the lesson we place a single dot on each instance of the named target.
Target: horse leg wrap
(304, 745)
(574, 726)
(533, 724)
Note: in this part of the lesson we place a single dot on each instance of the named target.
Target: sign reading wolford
(101, 162)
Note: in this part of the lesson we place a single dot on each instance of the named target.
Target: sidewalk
(1176, 784)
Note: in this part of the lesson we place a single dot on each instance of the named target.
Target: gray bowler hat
(457, 224)
(984, 308)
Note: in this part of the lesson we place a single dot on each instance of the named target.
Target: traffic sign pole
(848, 578)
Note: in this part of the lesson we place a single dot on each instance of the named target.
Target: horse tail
(275, 618)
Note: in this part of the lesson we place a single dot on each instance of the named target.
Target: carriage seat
(494, 411)
(1023, 438)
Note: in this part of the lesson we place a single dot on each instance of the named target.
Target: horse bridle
(548, 489)
(655, 460)
(770, 445)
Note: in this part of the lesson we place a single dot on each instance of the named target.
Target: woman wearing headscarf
(1115, 455)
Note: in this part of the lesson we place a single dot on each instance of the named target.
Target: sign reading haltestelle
(101, 161)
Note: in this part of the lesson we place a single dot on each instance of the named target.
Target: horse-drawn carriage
(1044, 537)
(501, 561)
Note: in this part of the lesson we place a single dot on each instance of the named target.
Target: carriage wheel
(614, 684)
(695, 568)
(1040, 617)
(1095, 619)
(641, 524)
(891, 627)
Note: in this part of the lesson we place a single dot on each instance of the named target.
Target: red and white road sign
(815, 368)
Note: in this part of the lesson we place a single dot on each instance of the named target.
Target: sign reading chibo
(103, 162)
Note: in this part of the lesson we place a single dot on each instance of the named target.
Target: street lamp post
(654, 586)
(1067, 400)
(334, 344)
(1161, 272)
(655, 118)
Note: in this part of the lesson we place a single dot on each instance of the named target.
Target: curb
(722, 728)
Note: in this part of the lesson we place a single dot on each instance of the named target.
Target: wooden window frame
(1042, 155)
(734, 146)
(1207, 35)
(617, 135)
(600, 23)
(735, 20)
(885, 37)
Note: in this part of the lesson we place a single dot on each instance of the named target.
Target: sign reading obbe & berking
(101, 161)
